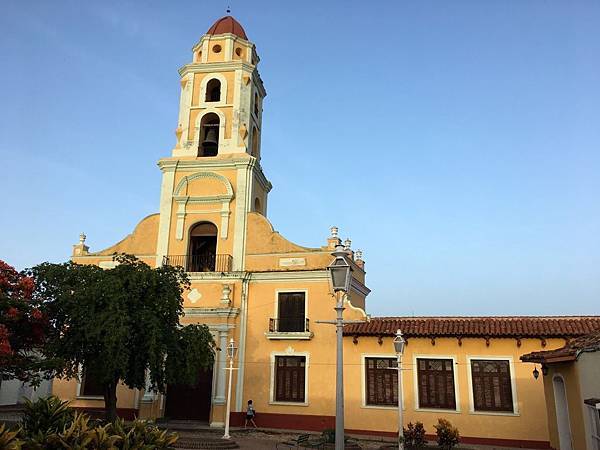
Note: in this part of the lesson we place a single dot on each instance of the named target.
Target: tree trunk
(110, 402)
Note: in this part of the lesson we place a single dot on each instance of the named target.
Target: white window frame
(272, 400)
(363, 381)
(211, 76)
(513, 385)
(416, 382)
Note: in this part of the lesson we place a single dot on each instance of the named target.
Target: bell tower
(213, 177)
(220, 109)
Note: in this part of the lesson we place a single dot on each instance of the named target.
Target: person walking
(250, 414)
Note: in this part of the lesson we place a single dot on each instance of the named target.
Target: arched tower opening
(257, 205)
(254, 142)
(209, 135)
(213, 91)
(202, 248)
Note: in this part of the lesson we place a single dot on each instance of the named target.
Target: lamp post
(231, 351)
(341, 277)
(399, 344)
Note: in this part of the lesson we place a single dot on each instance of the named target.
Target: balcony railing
(289, 325)
(200, 263)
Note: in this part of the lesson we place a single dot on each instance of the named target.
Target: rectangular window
(381, 380)
(90, 386)
(290, 373)
(436, 383)
(492, 387)
(291, 313)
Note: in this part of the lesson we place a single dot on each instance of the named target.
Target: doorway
(562, 413)
(190, 402)
(202, 248)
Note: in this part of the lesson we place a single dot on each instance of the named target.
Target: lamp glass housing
(231, 349)
(339, 271)
(399, 343)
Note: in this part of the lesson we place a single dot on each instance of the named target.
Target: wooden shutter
(492, 387)
(436, 383)
(381, 381)
(289, 378)
(291, 311)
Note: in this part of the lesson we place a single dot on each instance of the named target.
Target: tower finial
(228, 9)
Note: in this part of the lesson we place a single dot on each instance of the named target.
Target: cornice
(305, 275)
(235, 37)
(169, 165)
(220, 66)
(262, 179)
(212, 312)
(360, 287)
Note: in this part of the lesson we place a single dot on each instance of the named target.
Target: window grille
(436, 383)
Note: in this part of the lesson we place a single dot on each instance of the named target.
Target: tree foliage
(121, 324)
(22, 328)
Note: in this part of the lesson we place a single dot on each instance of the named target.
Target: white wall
(588, 367)
(13, 391)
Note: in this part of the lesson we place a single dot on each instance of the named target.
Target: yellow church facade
(250, 284)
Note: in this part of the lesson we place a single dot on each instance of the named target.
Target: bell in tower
(209, 144)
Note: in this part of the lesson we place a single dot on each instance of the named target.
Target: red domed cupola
(227, 24)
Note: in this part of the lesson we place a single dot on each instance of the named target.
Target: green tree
(120, 324)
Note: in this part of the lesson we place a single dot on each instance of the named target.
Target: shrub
(53, 425)
(9, 440)
(46, 415)
(414, 435)
(141, 434)
(447, 435)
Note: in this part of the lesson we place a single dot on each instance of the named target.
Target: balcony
(200, 263)
(289, 328)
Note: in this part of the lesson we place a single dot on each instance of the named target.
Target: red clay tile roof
(227, 24)
(570, 352)
(514, 327)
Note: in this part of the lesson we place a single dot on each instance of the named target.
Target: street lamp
(399, 344)
(231, 351)
(340, 277)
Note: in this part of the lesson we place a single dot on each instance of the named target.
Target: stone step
(187, 443)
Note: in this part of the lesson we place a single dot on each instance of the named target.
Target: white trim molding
(513, 385)
(223, 98)
(289, 352)
(416, 382)
(182, 198)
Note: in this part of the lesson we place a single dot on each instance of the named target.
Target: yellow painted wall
(200, 77)
(527, 424)
(67, 389)
(257, 381)
(212, 55)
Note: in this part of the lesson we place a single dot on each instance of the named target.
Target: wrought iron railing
(200, 263)
(289, 325)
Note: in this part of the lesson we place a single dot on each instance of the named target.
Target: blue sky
(456, 143)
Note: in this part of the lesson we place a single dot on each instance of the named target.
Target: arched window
(254, 142)
(257, 205)
(202, 249)
(256, 104)
(209, 135)
(213, 90)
